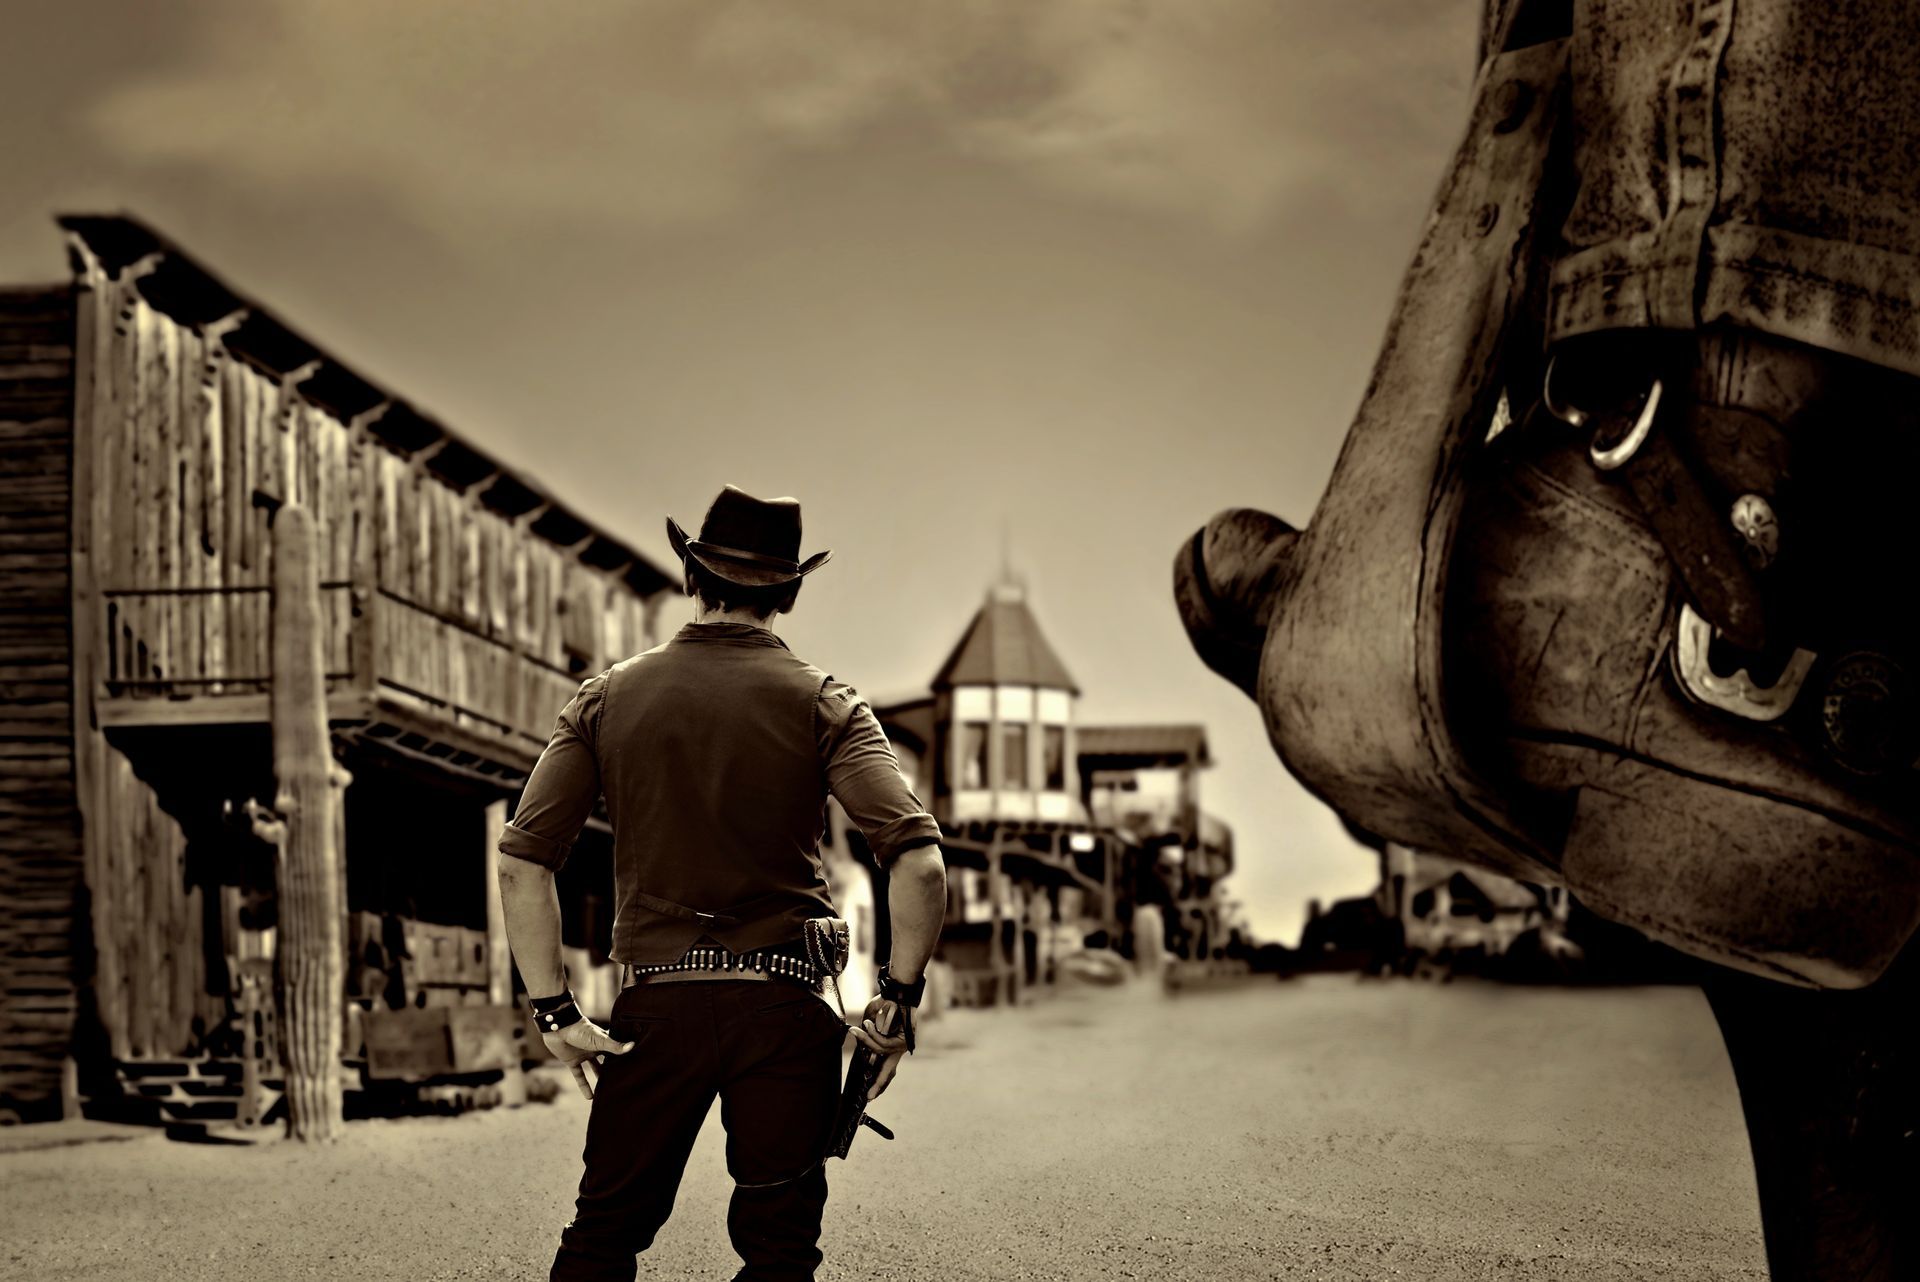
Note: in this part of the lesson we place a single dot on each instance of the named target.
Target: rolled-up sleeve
(864, 776)
(563, 787)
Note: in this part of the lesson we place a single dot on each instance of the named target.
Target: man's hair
(723, 594)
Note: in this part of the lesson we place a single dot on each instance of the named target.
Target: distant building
(1142, 782)
(1448, 908)
(1052, 830)
(1430, 910)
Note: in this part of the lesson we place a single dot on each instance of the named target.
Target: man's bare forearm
(916, 904)
(531, 906)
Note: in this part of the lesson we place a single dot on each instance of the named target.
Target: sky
(1044, 281)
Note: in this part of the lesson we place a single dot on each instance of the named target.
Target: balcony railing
(186, 642)
(474, 680)
(208, 643)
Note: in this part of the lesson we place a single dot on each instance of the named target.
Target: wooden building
(152, 421)
(1143, 781)
(996, 749)
(1432, 914)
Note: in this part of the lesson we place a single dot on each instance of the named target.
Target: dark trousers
(771, 1051)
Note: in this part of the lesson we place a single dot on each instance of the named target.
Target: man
(716, 752)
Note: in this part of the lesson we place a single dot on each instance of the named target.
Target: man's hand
(579, 1042)
(873, 1032)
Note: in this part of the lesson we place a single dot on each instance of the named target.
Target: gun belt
(764, 961)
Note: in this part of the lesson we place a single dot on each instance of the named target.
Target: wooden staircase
(203, 1096)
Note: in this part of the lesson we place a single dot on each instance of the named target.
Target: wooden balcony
(202, 656)
(462, 605)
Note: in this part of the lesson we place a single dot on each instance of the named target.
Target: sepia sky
(1067, 276)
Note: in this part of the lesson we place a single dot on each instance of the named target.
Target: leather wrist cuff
(551, 1014)
(903, 994)
(554, 1020)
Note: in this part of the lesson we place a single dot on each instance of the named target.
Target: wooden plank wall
(462, 606)
(466, 571)
(184, 434)
(187, 434)
(150, 960)
(40, 844)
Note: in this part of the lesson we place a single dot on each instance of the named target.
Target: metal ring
(1738, 694)
(1572, 415)
(1617, 456)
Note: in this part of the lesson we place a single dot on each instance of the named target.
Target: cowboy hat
(750, 541)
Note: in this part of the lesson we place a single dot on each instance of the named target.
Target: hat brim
(735, 569)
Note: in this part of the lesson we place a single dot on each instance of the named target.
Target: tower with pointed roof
(1053, 832)
(1003, 706)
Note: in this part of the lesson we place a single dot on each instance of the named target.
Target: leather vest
(716, 792)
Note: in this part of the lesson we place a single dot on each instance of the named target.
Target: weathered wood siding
(150, 985)
(184, 437)
(482, 618)
(464, 611)
(40, 847)
(449, 589)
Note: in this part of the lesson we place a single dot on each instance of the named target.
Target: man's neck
(701, 614)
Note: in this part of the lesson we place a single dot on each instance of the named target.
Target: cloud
(1222, 111)
(1213, 110)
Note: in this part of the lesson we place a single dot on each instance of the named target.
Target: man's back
(709, 757)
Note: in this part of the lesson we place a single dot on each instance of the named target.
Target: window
(1053, 750)
(1013, 757)
(973, 754)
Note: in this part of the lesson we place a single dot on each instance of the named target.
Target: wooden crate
(413, 1045)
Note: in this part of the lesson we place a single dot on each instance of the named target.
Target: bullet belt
(718, 963)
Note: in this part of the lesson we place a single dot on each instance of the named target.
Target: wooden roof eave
(120, 247)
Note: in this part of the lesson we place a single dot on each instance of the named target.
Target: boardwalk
(1325, 1129)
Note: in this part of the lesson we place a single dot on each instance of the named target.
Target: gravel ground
(1328, 1128)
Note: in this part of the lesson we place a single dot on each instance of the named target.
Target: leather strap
(696, 976)
(1699, 539)
(1743, 451)
(1685, 463)
(553, 1021)
(903, 994)
(904, 998)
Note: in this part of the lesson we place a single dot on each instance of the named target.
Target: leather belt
(680, 976)
(717, 963)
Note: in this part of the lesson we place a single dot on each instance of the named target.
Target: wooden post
(499, 962)
(996, 953)
(1109, 910)
(311, 885)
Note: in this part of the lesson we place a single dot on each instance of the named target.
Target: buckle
(1738, 693)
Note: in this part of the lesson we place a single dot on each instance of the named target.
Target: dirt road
(1327, 1129)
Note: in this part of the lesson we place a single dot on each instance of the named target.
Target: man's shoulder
(840, 705)
(839, 693)
(637, 662)
(803, 670)
(633, 661)
(777, 662)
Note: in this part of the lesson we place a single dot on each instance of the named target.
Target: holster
(829, 943)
